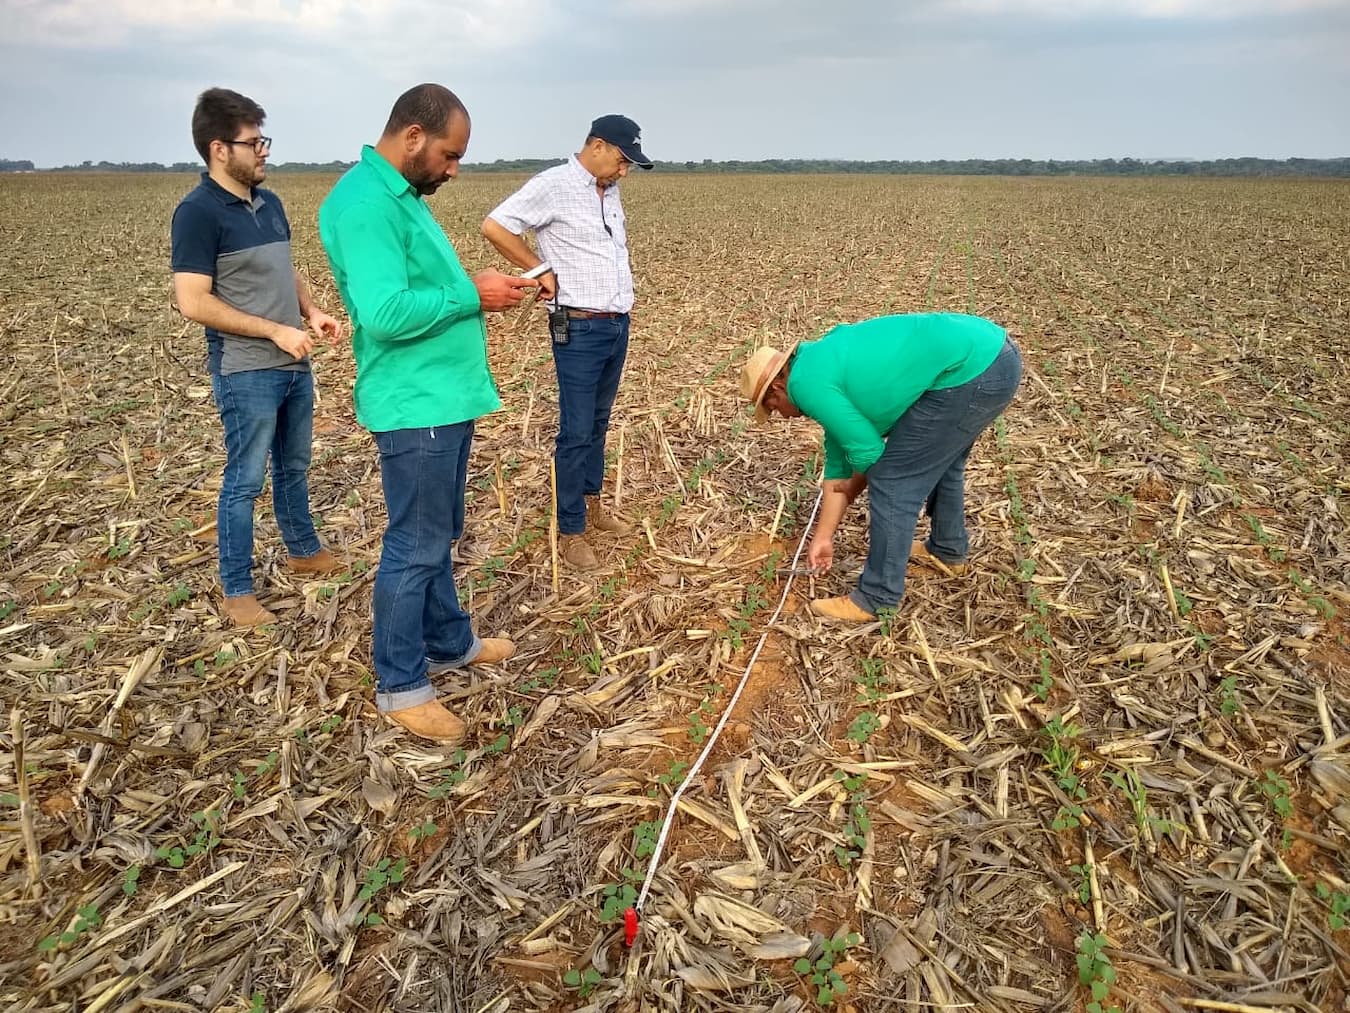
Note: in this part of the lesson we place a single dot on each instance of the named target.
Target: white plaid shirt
(569, 220)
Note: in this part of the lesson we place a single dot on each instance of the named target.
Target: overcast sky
(721, 79)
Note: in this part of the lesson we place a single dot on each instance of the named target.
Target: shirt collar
(224, 196)
(386, 172)
(581, 173)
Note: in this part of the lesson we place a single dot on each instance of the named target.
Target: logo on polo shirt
(277, 227)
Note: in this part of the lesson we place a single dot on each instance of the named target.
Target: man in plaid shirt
(574, 211)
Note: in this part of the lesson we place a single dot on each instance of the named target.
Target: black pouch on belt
(557, 325)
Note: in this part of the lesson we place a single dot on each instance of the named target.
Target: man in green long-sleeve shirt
(901, 399)
(421, 379)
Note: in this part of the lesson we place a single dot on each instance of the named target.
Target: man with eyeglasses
(578, 222)
(232, 272)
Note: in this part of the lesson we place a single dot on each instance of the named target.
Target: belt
(576, 314)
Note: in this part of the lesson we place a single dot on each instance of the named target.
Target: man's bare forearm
(307, 305)
(212, 311)
(509, 245)
(833, 506)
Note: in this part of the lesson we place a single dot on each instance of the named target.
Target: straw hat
(758, 373)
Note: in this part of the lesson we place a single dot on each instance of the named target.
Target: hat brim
(763, 414)
(634, 154)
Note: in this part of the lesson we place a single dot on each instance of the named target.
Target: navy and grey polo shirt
(245, 246)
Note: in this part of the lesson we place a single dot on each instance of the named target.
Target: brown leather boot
(842, 609)
(577, 554)
(920, 556)
(322, 562)
(600, 519)
(495, 650)
(430, 720)
(243, 610)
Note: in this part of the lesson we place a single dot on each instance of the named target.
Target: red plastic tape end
(630, 926)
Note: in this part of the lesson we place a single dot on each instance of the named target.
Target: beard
(248, 175)
(420, 177)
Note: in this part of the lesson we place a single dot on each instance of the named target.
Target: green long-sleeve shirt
(858, 379)
(418, 332)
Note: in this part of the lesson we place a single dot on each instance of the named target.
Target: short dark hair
(429, 106)
(219, 115)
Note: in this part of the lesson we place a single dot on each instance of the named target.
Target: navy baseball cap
(621, 132)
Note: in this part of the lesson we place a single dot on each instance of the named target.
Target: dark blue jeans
(417, 613)
(589, 367)
(924, 464)
(264, 411)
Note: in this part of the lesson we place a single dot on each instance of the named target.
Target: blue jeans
(264, 411)
(924, 465)
(417, 613)
(589, 367)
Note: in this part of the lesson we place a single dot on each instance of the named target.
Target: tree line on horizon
(940, 167)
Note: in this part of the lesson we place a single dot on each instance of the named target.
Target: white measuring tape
(726, 714)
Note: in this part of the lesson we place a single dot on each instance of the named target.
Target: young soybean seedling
(871, 681)
(644, 838)
(1337, 917)
(384, 873)
(674, 775)
(1277, 791)
(1095, 971)
(1084, 888)
(863, 727)
(87, 919)
(858, 823)
(829, 983)
(1061, 756)
(584, 982)
(619, 897)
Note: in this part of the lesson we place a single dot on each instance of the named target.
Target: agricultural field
(1106, 769)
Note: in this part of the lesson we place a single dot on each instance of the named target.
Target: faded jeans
(265, 412)
(924, 466)
(589, 368)
(417, 611)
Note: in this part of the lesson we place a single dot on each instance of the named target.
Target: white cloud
(679, 7)
(102, 24)
(1126, 9)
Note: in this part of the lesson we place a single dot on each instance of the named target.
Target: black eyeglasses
(258, 144)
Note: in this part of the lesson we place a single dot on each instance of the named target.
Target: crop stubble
(1161, 562)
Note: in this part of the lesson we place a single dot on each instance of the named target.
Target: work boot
(577, 554)
(321, 563)
(600, 519)
(430, 720)
(920, 556)
(495, 650)
(243, 610)
(843, 609)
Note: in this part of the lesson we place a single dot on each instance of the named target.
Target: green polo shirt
(417, 328)
(858, 379)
